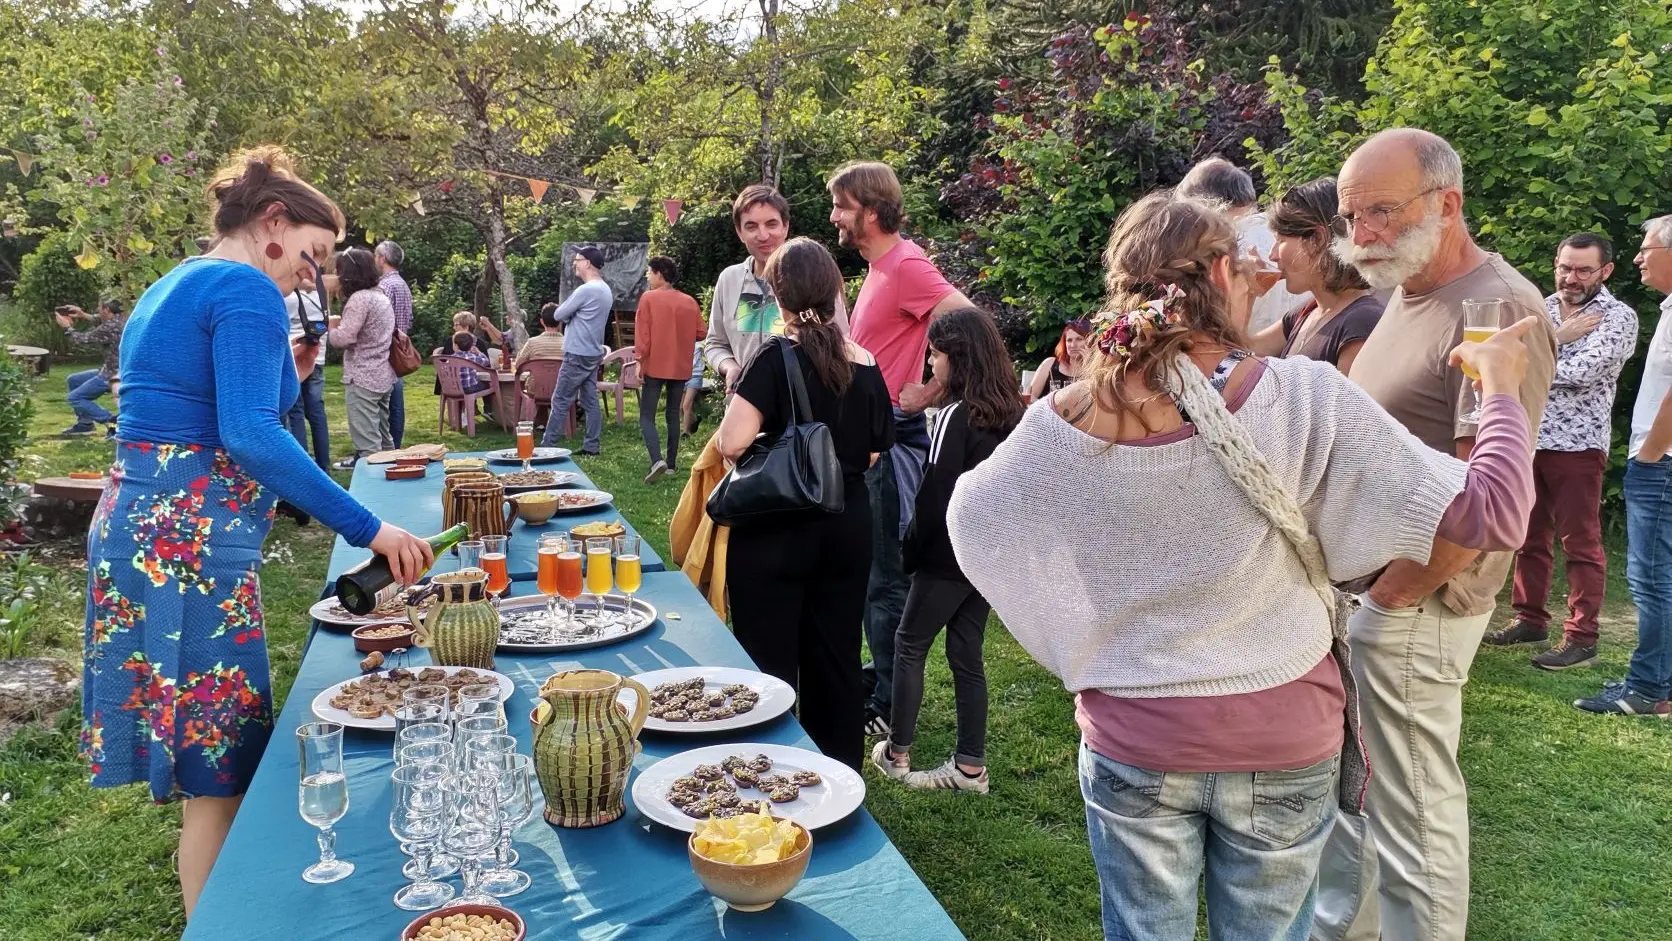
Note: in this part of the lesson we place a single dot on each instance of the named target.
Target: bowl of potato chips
(751, 860)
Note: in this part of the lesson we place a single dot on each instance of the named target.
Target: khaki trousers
(1402, 873)
(368, 420)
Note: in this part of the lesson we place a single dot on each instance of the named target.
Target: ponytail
(806, 280)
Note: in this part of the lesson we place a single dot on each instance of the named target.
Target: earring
(274, 250)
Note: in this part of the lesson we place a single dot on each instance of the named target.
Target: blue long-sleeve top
(206, 360)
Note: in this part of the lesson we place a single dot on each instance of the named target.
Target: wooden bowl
(366, 644)
(404, 472)
(752, 888)
(86, 475)
(536, 507)
(491, 911)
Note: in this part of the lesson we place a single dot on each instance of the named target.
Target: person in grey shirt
(586, 312)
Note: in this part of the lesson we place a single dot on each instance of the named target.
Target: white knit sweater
(1146, 572)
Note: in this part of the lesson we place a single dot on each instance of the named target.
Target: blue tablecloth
(628, 880)
(415, 506)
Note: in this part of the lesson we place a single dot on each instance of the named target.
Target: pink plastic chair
(457, 405)
(629, 379)
(539, 383)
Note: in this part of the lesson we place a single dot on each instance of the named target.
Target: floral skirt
(175, 687)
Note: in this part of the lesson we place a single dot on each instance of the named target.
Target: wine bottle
(367, 585)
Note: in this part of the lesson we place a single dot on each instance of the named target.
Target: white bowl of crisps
(467, 923)
(752, 860)
(384, 637)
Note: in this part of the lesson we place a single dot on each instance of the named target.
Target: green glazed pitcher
(584, 744)
(461, 627)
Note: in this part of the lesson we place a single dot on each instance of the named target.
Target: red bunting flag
(671, 208)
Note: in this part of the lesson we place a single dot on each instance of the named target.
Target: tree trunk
(496, 257)
(482, 304)
(769, 92)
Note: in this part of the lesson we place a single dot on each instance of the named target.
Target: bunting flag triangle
(631, 202)
(417, 204)
(671, 208)
(11, 228)
(537, 188)
(88, 259)
(25, 162)
(586, 195)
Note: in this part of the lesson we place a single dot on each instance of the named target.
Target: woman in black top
(1059, 371)
(969, 359)
(797, 583)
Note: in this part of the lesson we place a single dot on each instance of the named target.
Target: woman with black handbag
(797, 576)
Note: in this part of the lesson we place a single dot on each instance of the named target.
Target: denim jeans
(308, 416)
(1252, 838)
(397, 411)
(936, 602)
(648, 396)
(1648, 490)
(577, 381)
(886, 590)
(85, 388)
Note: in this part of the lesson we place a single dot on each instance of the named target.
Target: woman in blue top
(176, 689)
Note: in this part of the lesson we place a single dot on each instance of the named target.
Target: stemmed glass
(479, 699)
(629, 574)
(472, 728)
(418, 816)
(322, 795)
(525, 444)
(493, 562)
(547, 553)
(470, 555)
(432, 693)
(1481, 319)
(472, 830)
(417, 713)
(598, 550)
(511, 772)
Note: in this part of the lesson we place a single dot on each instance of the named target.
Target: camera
(312, 309)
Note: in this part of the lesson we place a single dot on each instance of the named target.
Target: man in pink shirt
(903, 291)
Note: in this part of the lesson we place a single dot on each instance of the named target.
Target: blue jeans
(308, 415)
(397, 411)
(85, 388)
(577, 381)
(1648, 490)
(1257, 834)
(886, 589)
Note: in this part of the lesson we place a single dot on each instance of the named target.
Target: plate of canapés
(525, 481)
(713, 699)
(540, 456)
(576, 501)
(726, 780)
(370, 701)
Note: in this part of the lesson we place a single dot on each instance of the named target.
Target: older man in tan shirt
(1402, 873)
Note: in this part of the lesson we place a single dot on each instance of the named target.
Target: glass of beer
(525, 443)
(569, 575)
(629, 575)
(493, 562)
(1481, 319)
(598, 580)
(547, 554)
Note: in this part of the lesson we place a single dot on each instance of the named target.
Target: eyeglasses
(1376, 218)
(1584, 272)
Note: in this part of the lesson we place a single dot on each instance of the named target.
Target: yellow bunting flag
(671, 208)
(537, 188)
(87, 259)
(631, 202)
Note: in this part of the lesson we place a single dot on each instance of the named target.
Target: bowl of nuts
(467, 923)
(382, 637)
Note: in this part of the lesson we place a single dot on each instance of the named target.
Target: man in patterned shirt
(86, 386)
(389, 257)
(1596, 333)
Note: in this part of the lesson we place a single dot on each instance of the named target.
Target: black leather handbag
(797, 473)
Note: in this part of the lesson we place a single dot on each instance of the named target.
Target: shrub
(16, 411)
(50, 277)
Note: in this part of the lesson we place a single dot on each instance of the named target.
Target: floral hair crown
(1116, 331)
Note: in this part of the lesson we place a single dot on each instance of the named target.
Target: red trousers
(1567, 488)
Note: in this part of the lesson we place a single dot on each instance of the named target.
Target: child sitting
(464, 347)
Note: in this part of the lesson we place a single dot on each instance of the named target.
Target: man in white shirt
(1223, 183)
(1648, 492)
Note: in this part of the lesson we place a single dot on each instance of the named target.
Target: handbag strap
(798, 388)
(1242, 460)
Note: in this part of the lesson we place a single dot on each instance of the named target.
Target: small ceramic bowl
(412, 462)
(752, 888)
(404, 472)
(490, 911)
(365, 643)
(456, 464)
(537, 507)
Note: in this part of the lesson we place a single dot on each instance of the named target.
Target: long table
(627, 880)
(415, 506)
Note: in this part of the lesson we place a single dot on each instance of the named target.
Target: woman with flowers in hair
(1177, 497)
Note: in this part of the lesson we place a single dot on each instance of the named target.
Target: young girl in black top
(968, 357)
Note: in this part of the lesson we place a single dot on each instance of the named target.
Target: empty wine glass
(322, 795)
(415, 713)
(472, 831)
(432, 693)
(471, 728)
(431, 752)
(473, 696)
(418, 816)
(422, 732)
(482, 751)
(511, 773)
(470, 555)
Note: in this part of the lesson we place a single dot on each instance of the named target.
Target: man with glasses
(1648, 491)
(1596, 333)
(1401, 873)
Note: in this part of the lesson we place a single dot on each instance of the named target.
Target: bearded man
(1402, 872)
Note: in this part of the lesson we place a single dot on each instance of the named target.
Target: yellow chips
(747, 839)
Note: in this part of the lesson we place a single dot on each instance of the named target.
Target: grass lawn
(1572, 814)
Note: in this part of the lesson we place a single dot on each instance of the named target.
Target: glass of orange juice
(1481, 319)
(629, 575)
(569, 575)
(493, 562)
(525, 443)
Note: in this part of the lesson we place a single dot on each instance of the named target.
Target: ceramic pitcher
(584, 745)
(484, 506)
(461, 627)
(448, 482)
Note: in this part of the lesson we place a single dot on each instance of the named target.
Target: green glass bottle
(362, 588)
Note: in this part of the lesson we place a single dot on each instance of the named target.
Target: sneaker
(585, 453)
(1565, 655)
(895, 768)
(875, 724)
(947, 777)
(346, 463)
(1624, 701)
(1518, 632)
(110, 432)
(658, 470)
(80, 429)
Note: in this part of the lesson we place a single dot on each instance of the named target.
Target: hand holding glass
(1481, 319)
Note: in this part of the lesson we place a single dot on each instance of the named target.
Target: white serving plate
(776, 697)
(841, 792)
(386, 723)
(541, 456)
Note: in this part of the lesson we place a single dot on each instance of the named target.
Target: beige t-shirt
(1403, 365)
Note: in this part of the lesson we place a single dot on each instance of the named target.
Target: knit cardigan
(1146, 572)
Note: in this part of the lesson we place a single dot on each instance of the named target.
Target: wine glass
(569, 576)
(417, 713)
(472, 699)
(547, 553)
(525, 444)
(493, 562)
(472, 829)
(629, 574)
(322, 795)
(1481, 319)
(511, 772)
(598, 550)
(433, 693)
(417, 816)
(482, 752)
(433, 752)
(471, 728)
(470, 555)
